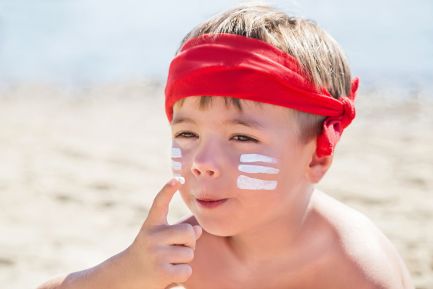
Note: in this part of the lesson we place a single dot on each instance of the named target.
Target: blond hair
(319, 55)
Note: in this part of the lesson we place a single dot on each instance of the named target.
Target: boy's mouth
(210, 203)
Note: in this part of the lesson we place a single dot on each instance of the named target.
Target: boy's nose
(204, 170)
(198, 172)
(205, 164)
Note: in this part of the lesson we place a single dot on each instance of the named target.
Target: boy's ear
(318, 166)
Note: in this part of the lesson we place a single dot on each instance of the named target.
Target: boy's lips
(207, 199)
(210, 203)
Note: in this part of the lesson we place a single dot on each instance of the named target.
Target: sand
(79, 169)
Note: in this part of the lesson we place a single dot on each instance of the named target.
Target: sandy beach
(79, 169)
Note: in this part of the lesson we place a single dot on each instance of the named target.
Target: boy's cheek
(187, 198)
(234, 177)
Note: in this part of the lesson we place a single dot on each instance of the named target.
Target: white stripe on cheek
(252, 158)
(258, 169)
(176, 153)
(247, 183)
(176, 165)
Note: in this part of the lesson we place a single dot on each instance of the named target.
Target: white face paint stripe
(253, 169)
(176, 153)
(252, 158)
(179, 178)
(247, 183)
(176, 165)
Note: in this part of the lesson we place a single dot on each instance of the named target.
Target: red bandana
(247, 68)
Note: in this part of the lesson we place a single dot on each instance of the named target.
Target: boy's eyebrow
(234, 121)
(181, 119)
(252, 123)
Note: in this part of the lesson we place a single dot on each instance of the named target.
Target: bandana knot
(333, 126)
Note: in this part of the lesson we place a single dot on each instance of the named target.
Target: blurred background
(85, 146)
(82, 42)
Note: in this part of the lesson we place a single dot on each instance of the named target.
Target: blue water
(91, 41)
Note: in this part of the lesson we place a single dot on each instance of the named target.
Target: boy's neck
(277, 238)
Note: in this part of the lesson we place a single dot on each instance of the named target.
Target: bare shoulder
(364, 251)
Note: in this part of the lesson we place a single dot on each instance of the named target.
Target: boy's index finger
(159, 210)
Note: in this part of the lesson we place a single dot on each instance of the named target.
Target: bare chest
(218, 273)
(317, 269)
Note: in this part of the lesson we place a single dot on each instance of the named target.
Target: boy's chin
(217, 228)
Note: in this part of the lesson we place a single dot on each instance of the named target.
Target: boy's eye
(244, 138)
(238, 138)
(185, 134)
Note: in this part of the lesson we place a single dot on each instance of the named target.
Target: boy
(257, 101)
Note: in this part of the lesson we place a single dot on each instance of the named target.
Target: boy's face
(252, 160)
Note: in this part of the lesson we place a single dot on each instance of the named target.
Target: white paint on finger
(179, 178)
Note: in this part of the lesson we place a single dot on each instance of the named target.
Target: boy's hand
(161, 252)
(157, 258)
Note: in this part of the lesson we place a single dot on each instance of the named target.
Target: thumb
(159, 210)
(198, 231)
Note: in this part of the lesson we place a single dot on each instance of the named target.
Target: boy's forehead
(196, 105)
(221, 102)
(223, 108)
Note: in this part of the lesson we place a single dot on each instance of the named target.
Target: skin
(292, 237)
